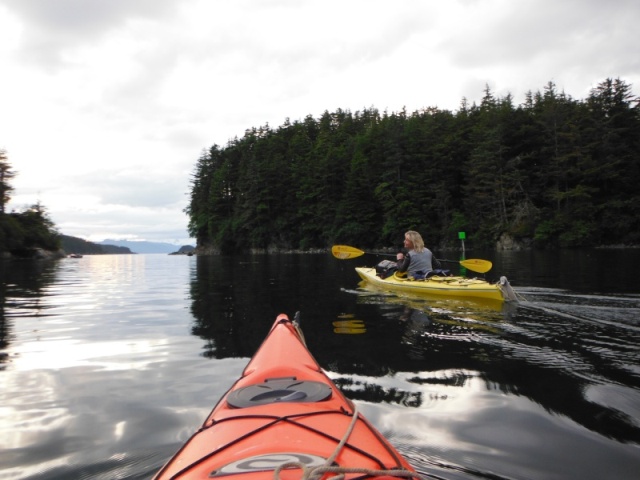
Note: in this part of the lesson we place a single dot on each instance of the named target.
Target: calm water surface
(109, 363)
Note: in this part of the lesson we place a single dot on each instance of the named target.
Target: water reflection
(593, 271)
(22, 287)
(554, 359)
(226, 313)
(448, 303)
(530, 349)
(348, 324)
(97, 361)
(111, 362)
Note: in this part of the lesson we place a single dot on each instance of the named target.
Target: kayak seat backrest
(279, 390)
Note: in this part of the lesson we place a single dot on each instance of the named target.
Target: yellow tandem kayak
(456, 287)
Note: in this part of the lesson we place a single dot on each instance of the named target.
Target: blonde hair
(416, 240)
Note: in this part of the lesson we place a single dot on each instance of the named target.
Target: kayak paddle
(345, 252)
(473, 264)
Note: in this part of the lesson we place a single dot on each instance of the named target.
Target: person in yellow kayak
(418, 261)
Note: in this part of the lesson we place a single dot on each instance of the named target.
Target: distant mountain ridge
(143, 246)
(80, 246)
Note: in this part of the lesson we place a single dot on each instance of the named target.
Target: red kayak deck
(284, 410)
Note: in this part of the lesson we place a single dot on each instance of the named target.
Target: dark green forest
(29, 232)
(552, 172)
(81, 246)
(23, 233)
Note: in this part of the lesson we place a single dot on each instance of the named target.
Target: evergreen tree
(6, 175)
(553, 171)
(613, 137)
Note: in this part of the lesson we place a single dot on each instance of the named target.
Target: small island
(188, 250)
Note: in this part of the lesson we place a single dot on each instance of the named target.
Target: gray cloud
(135, 187)
(139, 87)
(526, 30)
(53, 27)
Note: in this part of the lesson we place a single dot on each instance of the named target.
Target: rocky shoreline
(41, 254)
(34, 254)
(504, 244)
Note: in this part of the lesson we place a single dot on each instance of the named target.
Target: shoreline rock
(34, 254)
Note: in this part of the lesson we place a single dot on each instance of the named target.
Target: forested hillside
(22, 234)
(554, 171)
(26, 233)
(81, 246)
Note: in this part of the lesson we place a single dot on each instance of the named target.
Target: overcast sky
(106, 105)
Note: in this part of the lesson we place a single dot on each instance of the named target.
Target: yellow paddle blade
(344, 252)
(477, 265)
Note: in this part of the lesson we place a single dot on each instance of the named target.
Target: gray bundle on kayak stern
(507, 290)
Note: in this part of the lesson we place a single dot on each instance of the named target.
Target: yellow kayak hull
(456, 287)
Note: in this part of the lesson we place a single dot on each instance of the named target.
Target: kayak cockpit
(278, 390)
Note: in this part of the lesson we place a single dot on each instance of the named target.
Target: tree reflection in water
(529, 350)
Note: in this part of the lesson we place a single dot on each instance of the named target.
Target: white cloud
(106, 106)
